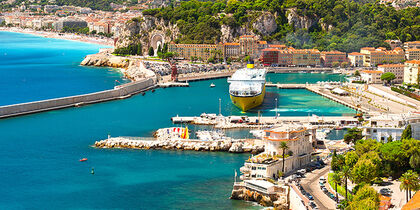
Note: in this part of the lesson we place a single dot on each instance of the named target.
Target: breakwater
(234, 146)
(119, 92)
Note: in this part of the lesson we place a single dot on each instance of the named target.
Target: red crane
(174, 74)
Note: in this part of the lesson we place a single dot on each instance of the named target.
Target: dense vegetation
(134, 49)
(353, 24)
(371, 161)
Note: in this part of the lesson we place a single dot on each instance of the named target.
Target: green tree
(351, 158)
(151, 51)
(365, 146)
(159, 49)
(366, 198)
(336, 180)
(283, 146)
(389, 139)
(388, 77)
(139, 49)
(364, 171)
(406, 134)
(353, 135)
(345, 173)
(357, 73)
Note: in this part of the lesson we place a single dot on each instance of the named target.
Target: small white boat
(212, 85)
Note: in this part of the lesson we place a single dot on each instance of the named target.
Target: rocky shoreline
(274, 200)
(232, 146)
(132, 68)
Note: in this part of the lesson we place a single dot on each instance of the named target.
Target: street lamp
(276, 107)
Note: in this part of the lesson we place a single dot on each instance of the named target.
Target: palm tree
(284, 147)
(345, 173)
(409, 181)
(336, 179)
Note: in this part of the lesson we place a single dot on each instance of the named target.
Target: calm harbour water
(39, 159)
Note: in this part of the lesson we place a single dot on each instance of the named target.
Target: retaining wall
(119, 92)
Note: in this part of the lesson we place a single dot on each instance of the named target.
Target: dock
(287, 86)
(199, 77)
(174, 84)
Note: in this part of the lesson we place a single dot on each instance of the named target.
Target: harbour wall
(119, 92)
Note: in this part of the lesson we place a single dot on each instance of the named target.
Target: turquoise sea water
(48, 67)
(39, 158)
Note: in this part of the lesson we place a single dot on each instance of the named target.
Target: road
(311, 185)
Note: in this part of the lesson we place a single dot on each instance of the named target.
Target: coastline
(55, 35)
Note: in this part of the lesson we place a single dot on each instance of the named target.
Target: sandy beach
(65, 36)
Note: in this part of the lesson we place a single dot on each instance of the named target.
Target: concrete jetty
(254, 146)
(232, 122)
(119, 92)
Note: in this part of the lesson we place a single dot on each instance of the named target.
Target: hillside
(324, 24)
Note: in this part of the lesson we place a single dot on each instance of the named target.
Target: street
(311, 185)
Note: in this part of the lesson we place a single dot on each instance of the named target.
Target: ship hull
(249, 102)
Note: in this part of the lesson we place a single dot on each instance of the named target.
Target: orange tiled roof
(270, 49)
(413, 203)
(391, 65)
(232, 44)
(413, 50)
(277, 45)
(262, 42)
(372, 72)
(333, 52)
(356, 53)
(414, 62)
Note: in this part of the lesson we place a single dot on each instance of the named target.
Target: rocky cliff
(146, 30)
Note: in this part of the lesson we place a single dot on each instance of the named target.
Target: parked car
(385, 191)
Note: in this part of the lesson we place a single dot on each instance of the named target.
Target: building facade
(412, 54)
(231, 50)
(71, 23)
(394, 43)
(306, 57)
(269, 163)
(411, 72)
(373, 56)
(412, 45)
(356, 59)
(329, 58)
(270, 57)
(199, 51)
(371, 76)
(396, 69)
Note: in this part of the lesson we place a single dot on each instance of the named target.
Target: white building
(414, 121)
(411, 72)
(356, 59)
(382, 126)
(269, 163)
(371, 76)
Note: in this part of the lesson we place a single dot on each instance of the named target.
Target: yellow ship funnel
(250, 64)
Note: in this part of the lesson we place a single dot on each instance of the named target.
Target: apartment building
(356, 59)
(371, 76)
(412, 54)
(306, 57)
(373, 56)
(328, 59)
(411, 72)
(412, 45)
(231, 50)
(200, 51)
(269, 163)
(396, 69)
